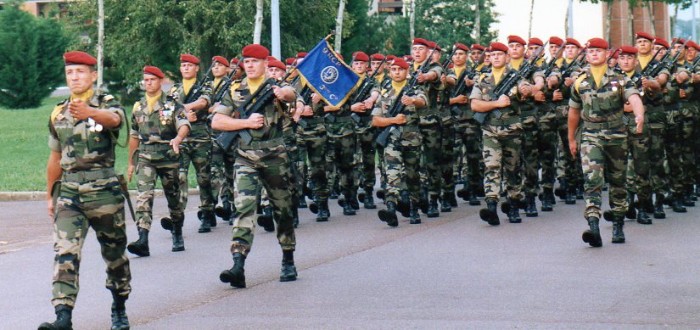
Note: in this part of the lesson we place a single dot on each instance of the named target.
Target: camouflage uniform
(196, 149)
(264, 161)
(341, 152)
(383, 81)
(156, 158)
(688, 123)
(447, 146)
(603, 146)
(673, 139)
(221, 165)
(89, 196)
(311, 139)
(571, 169)
(365, 134)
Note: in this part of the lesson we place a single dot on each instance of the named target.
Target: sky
(548, 19)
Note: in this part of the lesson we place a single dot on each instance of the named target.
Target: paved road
(355, 272)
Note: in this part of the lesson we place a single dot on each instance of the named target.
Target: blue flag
(328, 75)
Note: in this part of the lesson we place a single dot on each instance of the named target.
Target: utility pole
(570, 19)
(477, 22)
(339, 26)
(257, 32)
(275, 17)
(100, 42)
(412, 18)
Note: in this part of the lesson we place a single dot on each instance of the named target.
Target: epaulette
(579, 79)
(57, 110)
(137, 106)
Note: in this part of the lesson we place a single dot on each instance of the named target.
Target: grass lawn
(24, 148)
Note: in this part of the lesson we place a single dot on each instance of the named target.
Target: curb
(8, 196)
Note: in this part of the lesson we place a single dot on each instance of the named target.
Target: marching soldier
(84, 191)
(597, 99)
(158, 127)
(261, 160)
(382, 81)
(196, 149)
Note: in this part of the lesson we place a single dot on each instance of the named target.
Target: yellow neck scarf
(416, 66)
(498, 73)
(459, 69)
(379, 77)
(216, 82)
(630, 74)
(644, 59)
(598, 72)
(516, 63)
(254, 84)
(152, 100)
(84, 96)
(397, 86)
(187, 84)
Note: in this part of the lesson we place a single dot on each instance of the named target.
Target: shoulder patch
(578, 81)
(56, 111)
(137, 106)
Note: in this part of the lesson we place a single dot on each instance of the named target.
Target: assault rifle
(461, 86)
(549, 66)
(578, 62)
(668, 64)
(508, 82)
(364, 91)
(196, 90)
(224, 85)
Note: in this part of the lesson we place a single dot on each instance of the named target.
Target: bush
(31, 50)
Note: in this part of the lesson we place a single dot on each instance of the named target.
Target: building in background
(621, 21)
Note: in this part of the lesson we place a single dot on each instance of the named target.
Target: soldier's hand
(191, 116)
(50, 207)
(525, 90)
(358, 107)
(130, 172)
(175, 143)
(369, 103)
(682, 93)
(279, 94)
(568, 82)
(79, 110)
(468, 81)
(308, 111)
(681, 77)
(256, 121)
(421, 77)
(539, 96)
(443, 79)
(552, 82)
(639, 120)
(400, 119)
(503, 101)
(557, 95)
(315, 98)
(407, 100)
(460, 99)
(573, 148)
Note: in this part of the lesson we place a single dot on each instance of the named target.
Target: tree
(31, 50)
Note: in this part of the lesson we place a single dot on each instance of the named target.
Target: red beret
(514, 38)
(377, 57)
(255, 51)
(152, 70)
(276, 64)
(691, 44)
(390, 57)
(597, 43)
(497, 46)
(400, 62)
(189, 58)
(661, 42)
(535, 41)
(478, 47)
(678, 40)
(556, 40)
(78, 57)
(407, 58)
(220, 59)
(421, 41)
(615, 53)
(461, 46)
(572, 41)
(271, 58)
(627, 49)
(302, 54)
(234, 60)
(643, 35)
(434, 45)
(360, 56)
(290, 60)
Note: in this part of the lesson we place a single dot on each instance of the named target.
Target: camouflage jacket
(462, 112)
(650, 97)
(410, 135)
(429, 114)
(314, 124)
(199, 131)
(84, 145)
(161, 124)
(604, 103)
(483, 90)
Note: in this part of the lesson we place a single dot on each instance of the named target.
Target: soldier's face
(374, 65)
(570, 51)
(254, 67)
(188, 70)
(643, 46)
(275, 72)
(474, 55)
(459, 58)
(627, 62)
(661, 53)
(219, 70)
(359, 67)
(151, 84)
(516, 50)
(436, 56)
(498, 59)
(690, 53)
(419, 53)
(487, 58)
(677, 48)
(532, 49)
(398, 73)
(553, 49)
(80, 78)
(596, 56)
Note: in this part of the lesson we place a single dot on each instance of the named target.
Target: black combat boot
(288, 272)
(368, 200)
(140, 246)
(323, 212)
(687, 201)
(474, 196)
(302, 203)
(659, 212)
(631, 209)
(579, 191)
(445, 205)
(618, 236)
(562, 189)
(642, 215)
(64, 314)
(347, 205)
(265, 219)
(677, 204)
(119, 319)
(490, 213)
(592, 235)
(354, 203)
(432, 211)
(513, 212)
(236, 275)
(570, 195)
(178, 241)
(463, 193)
(381, 194)
(530, 206)
(166, 223)
(404, 205)
(423, 201)
(205, 225)
(389, 215)
(414, 215)
(548, 200)
(450, 198)
(224, 211)
(295, 217)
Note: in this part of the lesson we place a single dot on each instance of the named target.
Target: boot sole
(618, 241)
(204, 230)
(233, 280)
(288, 278)
(137, 251)
(490, 217)
(389, 218)
(592, 239)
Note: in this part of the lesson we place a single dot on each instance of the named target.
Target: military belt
(267, 144)
(428, 112)
(87, 176)
(615, 124)
(343, 119)
(411, 128)
(154, 147)
(502, 122)
(312, 120)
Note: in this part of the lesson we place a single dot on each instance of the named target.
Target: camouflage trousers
(367, 152)
(657, 171)
(431, 155)
(547, 146)
(501, 154)
(270, 169)
(529, 155)
(150, 167)
(673, 141)
(98, 204)
(638, 171)
(447, 158)
(689, 122)
(221, 174)
(313, 148)
(340, 156)
(468, 159)
(571, 170)
(402, 164)
(199, 155)
(604, 159)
